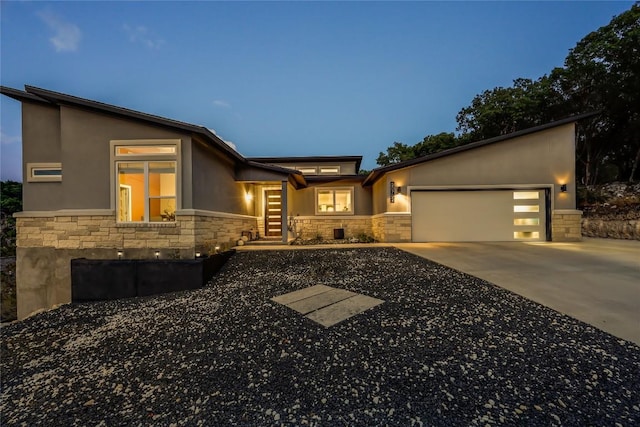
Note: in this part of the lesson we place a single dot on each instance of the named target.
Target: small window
(307, 170)
(526, 235)
(526, 208)
(526, 221)
(145, 150)
(526, 195)
(330, 170)
(334, 201)
(44, 172)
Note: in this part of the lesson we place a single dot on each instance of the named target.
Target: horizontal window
(307, 170)
(145, 150)
(526, 221)
(44, 172)
(526, 195)
(526, 208)
(526, 235)
(330, 170)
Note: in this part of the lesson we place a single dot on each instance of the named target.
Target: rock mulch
(444, 349)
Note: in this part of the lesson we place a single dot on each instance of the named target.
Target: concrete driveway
(596, 280)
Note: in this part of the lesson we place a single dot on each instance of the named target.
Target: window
(146, 181)
(334, 201)
(307, 170)
(44, 172)
(526, 195)
(147, 191)
(330, 170)
(137, 150)
(526, 208)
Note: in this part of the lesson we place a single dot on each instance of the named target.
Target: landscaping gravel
(444, 349)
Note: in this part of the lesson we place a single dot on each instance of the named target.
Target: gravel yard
(443, 349)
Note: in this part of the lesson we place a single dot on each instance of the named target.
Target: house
(101, 179)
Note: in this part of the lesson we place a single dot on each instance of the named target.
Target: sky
(286, 78)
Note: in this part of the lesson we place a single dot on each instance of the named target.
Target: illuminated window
(145, 150)
(44, 172)
(526, 208)
(526, 221)
(307, 170)
(146, 191)
(330, 170)
(526, 195)
(526, 235)
(334, 201)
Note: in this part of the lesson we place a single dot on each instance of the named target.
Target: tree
(10, 203)
(398, 152)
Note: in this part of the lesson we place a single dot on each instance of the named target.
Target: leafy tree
(10, 203)
(398, 152)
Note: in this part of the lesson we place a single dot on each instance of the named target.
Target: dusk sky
(286, 78)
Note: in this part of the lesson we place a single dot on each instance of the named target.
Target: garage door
(478, 216)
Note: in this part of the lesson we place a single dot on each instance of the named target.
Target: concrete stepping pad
(326, 305)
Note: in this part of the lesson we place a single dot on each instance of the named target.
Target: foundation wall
(47, 244)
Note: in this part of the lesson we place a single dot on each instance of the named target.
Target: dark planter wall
(99, 280)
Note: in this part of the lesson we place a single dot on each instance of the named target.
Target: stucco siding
(304, 200)
(214, 184)
(546, 157)
(41, 144)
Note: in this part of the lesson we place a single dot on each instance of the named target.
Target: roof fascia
(22, 96)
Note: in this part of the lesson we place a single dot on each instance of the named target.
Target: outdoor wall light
(157, 254)
(392, 192)
(217, 248)
(563, 188)
(248, 197)
(120, 254)
(399, 190)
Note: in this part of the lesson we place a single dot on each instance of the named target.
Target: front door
(273, 213)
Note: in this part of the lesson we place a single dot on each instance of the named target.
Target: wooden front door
(273, 213)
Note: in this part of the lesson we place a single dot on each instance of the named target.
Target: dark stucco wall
(41, 144)
(213, 182)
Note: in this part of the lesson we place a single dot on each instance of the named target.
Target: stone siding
(46, 245)
(565, 226)
(309, 227)
(390, 227)
(612, 229)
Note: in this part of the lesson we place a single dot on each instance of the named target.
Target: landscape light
(157, 254)
(120, 254)
(198, 254)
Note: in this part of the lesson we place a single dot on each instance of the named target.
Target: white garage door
(478, 216)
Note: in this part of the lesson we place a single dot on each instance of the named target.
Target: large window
(147, 191)
(146, 182)
(334, 201)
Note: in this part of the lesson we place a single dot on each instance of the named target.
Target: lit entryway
(326, 305)
(478, 215)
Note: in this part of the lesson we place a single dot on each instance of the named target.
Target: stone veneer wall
(46, 245)
(565, 226)
(611, 229)
(311, 226)
(392, 227)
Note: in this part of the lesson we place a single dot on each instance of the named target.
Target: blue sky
(286, 78)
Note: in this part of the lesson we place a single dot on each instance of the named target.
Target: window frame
(334, 189)
(146, 159)
(32, 167)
